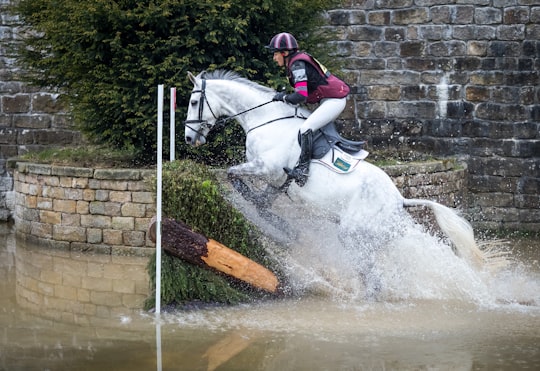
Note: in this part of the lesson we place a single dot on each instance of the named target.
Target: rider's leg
(328, 111)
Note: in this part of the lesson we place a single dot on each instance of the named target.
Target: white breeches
(329, 109)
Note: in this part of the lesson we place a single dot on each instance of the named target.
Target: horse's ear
(191, 77)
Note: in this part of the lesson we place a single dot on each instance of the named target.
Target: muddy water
(426, 316)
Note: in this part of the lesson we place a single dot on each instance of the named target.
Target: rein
(220, 122)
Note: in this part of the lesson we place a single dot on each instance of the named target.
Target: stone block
(411, 109)
(415, 15)
(379, 17)
(94, 235)
(487, 78)
(44, 203)
(134, 210)
(365, 33)
(490, 183)
(143, 197)
(451, 48)
(487, 15)
(65, 206)
(69, 233)
(501, 112)
(47, 103)
(105, 208)
(73, 220)
(118, 196)
(73, 194)
(42, 230)
(141, 224)
(114, 185)
(89, 194)
(386, 49)
(32, 121)
(117, 174)
(384, 93)
(112, 237)
(516, 15)
(83, 207)
(19, 103)
(414, 48)
(133, 238)
(123, 222)
(96, 221)
(50, 217)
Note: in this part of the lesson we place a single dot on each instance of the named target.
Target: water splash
(414, 265)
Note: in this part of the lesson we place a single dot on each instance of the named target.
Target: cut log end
(180, 241)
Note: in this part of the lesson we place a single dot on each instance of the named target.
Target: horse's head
(200, 117)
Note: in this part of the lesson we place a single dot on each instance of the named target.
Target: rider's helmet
(281, 42)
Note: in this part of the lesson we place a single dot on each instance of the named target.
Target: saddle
(327, 137)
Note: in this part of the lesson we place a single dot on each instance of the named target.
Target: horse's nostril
(188, 139)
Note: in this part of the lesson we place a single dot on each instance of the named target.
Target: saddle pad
(341, 162)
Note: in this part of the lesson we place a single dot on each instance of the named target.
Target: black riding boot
(301, 171)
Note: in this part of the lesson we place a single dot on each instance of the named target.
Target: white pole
(158, 201)
(172, 124)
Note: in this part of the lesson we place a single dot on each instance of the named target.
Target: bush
(191, 194)
(107, 57)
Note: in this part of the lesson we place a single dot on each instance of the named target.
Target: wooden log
(181, 241)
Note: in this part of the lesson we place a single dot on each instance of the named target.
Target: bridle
(221, 121)
(204, 125)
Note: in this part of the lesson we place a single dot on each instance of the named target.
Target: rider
(312, 83)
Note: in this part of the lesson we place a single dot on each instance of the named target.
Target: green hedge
(107, 57)
(192, 194)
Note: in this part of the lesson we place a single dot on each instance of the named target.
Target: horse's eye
(194, 102)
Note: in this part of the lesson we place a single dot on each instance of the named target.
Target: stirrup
(299, 175)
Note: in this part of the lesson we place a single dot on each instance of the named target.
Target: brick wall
(451, 79)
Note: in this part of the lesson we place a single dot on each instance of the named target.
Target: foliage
(108, 56)
(191, 194)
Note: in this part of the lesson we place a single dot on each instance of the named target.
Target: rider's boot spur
(301, 171)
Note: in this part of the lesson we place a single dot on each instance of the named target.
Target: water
(428, 310)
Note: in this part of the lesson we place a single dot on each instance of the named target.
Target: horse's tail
(461, 233)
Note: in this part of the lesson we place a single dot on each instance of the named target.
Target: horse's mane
(233, 76)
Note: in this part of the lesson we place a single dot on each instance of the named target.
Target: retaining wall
(108, 210)
(102, 210)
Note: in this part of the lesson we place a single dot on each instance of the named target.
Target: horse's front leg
(257, 171)
(262, 200)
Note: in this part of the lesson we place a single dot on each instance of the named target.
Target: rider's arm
(300, 83)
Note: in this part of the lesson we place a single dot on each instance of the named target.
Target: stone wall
(84, 209)
(458, 78)
(108, 210)
(448, 78)
(30, 119)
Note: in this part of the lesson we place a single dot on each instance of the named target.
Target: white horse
(340, 185)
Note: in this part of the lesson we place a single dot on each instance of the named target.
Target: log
(179, 240)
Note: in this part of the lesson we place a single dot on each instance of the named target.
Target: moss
(192, 194)
(85, 156)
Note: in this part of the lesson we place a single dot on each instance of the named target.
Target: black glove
(280, 97)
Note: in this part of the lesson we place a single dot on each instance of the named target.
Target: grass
(86, 156)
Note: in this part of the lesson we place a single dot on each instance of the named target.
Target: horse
(360, 196)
